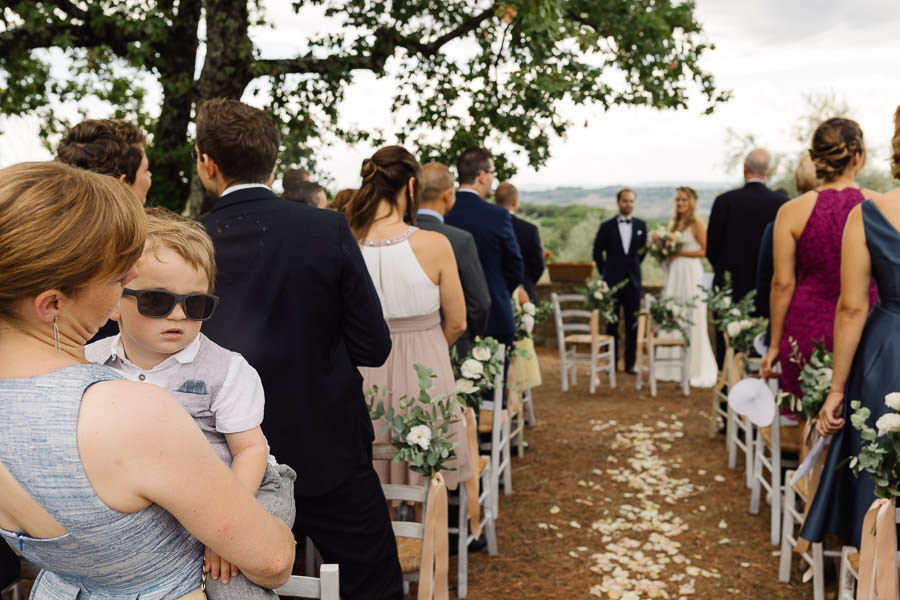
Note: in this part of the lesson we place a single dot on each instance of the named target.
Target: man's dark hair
(306, 192)
(106, 146)
(243, 140)
(471, 163)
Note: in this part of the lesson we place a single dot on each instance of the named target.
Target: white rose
(528, 308)
(746, 324)
(471, 368)
(733, 329)
(421, 435)
(528, 323)
(893, 400)
(887, 423)
(823, 377)
(603, 286)
(464, 386)
(598, 295)
(736, 312)
(481, 353)
(726, 301)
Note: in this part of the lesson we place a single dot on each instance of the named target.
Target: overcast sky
(769, 53)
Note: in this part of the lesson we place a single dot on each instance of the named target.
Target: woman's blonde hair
(63, 228)
(805, 175)
(186, 237)
(680, 223)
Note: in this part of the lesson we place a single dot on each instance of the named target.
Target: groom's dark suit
(471, 276)
(298, 303)
(615, 265)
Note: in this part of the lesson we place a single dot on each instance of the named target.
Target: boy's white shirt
(239, 405)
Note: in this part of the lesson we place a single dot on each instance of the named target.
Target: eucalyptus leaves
(815, 381)
(475, 374)
(672, 314)
(419, 430)
(734, 318)
(598, 295)
(879, 455)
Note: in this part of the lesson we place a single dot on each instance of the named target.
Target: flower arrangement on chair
(419, 431)
(672, 314)
(475, 373)
(527, 315)
(879, 455)
(815, 382)
(733, 318)
(663, 244)
(599, 296)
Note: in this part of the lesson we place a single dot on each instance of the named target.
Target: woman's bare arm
(139, 446)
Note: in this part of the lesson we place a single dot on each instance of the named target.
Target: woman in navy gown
(866, 355)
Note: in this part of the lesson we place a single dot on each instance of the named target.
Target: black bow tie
(626, 220)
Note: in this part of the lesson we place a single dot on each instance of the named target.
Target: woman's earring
(56, 335)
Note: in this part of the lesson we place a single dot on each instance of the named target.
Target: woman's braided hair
(834, 144)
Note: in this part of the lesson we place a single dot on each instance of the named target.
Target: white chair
(463, 531)
(326, 586)
(739, 431)
(579, 327)
(494, 419)
(516, 408)
(848, 576)
(648, 359)
(784, 436)
(792, 516)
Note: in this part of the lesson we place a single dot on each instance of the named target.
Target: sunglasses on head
(158, 304)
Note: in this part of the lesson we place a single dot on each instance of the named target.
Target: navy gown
(841, 501)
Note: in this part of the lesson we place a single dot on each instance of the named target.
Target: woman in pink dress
(415, 274)
(807, 250)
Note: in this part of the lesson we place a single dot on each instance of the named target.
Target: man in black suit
(618, 253)
(736, 225)
(491, 226)
(527, 235)
(435, 200)
(298, 303)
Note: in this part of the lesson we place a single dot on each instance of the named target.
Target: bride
(682, 278)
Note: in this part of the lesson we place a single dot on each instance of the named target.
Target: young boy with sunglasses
(159, 318)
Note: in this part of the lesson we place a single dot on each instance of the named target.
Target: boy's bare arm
(249, 454)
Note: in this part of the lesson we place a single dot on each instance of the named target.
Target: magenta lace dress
(811, 313)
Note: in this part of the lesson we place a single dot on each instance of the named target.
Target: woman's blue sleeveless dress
(841, 501)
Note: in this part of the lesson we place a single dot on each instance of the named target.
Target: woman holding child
(415, 274)
(104, 483)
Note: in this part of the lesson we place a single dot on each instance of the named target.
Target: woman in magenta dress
(807, 250)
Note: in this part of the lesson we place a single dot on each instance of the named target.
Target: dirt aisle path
(621, 493)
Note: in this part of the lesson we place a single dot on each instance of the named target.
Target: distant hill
(652, 202)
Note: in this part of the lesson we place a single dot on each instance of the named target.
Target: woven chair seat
(791, 438)
(484, 420)
(584, 338)
(409, 550)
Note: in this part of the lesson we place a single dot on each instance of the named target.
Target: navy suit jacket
(613, 263)
(471, 276)
(529, 239)
(297, 301)
(498, 250)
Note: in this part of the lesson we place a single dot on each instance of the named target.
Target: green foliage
(466, 74)
(668, 313)
(475, 373)
(528, 315)
(815, 381)
(419, 430)
(734, 319)
(599, 296)
(879, 454)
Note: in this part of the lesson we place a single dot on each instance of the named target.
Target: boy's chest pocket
(194, 396)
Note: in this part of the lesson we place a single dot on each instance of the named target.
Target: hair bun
(369, 170)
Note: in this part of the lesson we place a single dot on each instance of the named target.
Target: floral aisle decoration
(815, 381)
(598, 295)
(527, 316)
(419, 429)
(663, 244)
(879, 455)
(672, 314)
(734, 318)
(476, 372)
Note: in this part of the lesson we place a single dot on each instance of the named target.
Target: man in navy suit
(298, 303)
(618, 252)
(527, 235)
(491, 226)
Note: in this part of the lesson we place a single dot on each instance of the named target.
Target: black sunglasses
(158, 304)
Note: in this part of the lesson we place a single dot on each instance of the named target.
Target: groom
(618, 252)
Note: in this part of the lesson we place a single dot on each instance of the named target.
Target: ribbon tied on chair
(435, 558)
(473, 485)
(878, 553)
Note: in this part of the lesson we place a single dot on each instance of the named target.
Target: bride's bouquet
(663, 244)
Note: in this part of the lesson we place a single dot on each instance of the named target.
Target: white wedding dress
(682, 279)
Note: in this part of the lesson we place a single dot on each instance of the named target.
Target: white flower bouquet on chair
(879, 455)
(599, 296)
(670, 314)
(734, 318)
(475, 373)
